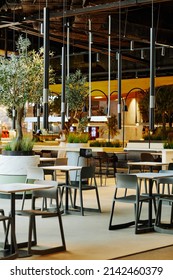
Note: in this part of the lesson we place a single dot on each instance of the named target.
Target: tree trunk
(20, 114)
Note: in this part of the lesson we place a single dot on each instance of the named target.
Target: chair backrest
(52, 193)
(165, 180)
(126, 181)
(46, 193)
(87, 172)
(34, 173)
(170, 166)
(47, 182)
(86, 153)
(61, 161)
(147, 157)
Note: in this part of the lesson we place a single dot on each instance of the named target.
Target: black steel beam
(104, 8)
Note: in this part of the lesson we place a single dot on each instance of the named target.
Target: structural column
(46, 69)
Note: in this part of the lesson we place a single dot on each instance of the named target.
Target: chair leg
(118, 226)
(4, 223)
(138, 210)
(32, 233)
(23, 200)
(98, 200)
(81, 202)
(12, 250)
(32, 230)
(112, 213)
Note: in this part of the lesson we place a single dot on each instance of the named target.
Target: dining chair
(58, 174)
(36, 211)
(48, 154)
(105, 165)
(8, 253)
(56, 186)
(150, 158)
(127, 190)
(162, 183)
(86, 182)
(33, 173)
(170, 166)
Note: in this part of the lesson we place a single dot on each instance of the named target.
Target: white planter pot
(17, 165)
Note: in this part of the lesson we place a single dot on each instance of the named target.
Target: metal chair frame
(87, 182)
(126, 182)
(52, 193)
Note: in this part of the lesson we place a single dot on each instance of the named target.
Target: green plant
(105, 144)
(21, 80)
(25, 144)
(112, 125)
(74, 137)
(76, 95)
(168, 145)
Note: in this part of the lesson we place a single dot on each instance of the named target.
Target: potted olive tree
(76, 96)
(76, 89)
(21, 81)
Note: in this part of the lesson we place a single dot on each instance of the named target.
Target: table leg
(66, 192)
(150, 203)
(13, 220)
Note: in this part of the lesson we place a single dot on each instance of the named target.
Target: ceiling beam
(104, 8)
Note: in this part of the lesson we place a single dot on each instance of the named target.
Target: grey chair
(162, 183)
(52, 193)
(105, 165)
(87, 182)
(33, 174)
(54, 184)
(58, 174)
(149, 157)
(126, 183)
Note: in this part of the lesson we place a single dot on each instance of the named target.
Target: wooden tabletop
(147, 163)
(62, 167)
(47, 159)
(22, 187)
(152, 175)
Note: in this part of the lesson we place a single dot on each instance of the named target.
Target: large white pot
(17, 165)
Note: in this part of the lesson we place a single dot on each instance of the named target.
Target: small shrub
(26, 145)
(77, 137)
(105, 144)
(168, 145)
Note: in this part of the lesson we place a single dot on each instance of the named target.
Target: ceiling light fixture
(142, 54)
(132, 45)
(163, 51)
(97, 57)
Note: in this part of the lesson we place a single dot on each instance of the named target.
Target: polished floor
(88, 237)
(165, 253)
